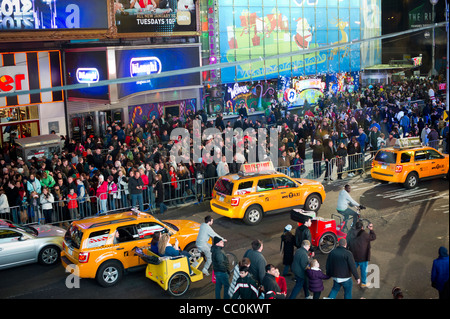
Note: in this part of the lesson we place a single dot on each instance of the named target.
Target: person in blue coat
(439, 272)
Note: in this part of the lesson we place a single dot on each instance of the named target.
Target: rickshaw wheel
(327, 242)
(179, 283)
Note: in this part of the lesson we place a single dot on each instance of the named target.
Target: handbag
(213, 277)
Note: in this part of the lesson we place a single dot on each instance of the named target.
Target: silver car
(20, 244)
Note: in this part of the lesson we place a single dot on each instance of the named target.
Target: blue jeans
(363, 266)
(222, 280)
(103, 205)
(299, 284)
(162, 208)
(347, 285)
(138, 198)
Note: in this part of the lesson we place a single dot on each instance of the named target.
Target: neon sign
(88, 75)
(145, 66)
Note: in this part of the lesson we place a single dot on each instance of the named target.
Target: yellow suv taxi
(103, 247)
(408, 162)
(258, 189)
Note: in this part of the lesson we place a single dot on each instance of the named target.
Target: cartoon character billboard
(252, 29)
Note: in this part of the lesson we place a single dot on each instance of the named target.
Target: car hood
(49, 230)
(310, 182)
(184, 224)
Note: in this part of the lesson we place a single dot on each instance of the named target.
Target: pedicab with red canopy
(324, 233)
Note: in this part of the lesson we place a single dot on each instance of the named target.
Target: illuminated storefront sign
(87, 75)
(23, 71)
(145, 66)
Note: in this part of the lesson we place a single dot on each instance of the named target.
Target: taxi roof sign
(408, 142)
(257, 168)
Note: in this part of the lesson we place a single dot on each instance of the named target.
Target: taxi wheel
(253, 215)
(109, 273)
(313, 203)
(411, 181)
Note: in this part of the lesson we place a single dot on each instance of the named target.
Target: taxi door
(127, 239)
(267, 194)
(438, 163)
(288, 192)
(422, 165)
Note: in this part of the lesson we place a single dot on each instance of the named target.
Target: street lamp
(433, 71)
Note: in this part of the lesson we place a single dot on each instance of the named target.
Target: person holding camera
(46, 201)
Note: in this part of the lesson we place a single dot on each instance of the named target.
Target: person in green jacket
(47, 180)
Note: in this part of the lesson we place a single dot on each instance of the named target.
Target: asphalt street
(410, 225)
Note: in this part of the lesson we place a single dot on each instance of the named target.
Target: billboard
(28, 15)
(134, 62)
(33, 70)
(87, 67)
(252, 29)
(160, 17)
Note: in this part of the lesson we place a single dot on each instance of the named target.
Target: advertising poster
(156, 16)
(141, 114)
(252, 29)
(28, 15)
(141, 62)
(255, 98)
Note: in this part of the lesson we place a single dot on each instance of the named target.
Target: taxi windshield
(386, 157)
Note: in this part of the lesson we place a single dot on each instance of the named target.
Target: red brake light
(398, 168)
(235, 201)
(83, 257)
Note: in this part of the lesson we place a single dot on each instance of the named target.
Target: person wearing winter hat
(220, 267)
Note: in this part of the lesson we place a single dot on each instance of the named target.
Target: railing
(194, 190)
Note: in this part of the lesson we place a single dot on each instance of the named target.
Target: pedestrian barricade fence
(192, 190)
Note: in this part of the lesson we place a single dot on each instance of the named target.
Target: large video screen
(27, 15)
(156, 16)
(84, 67)
(141, 62)
(252, 29)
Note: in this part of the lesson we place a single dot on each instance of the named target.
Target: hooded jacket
(440, 270)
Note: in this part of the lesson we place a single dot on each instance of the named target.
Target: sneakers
(309, 297)
(205, 272)
(365, 285)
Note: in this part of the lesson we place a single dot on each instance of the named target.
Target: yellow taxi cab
(408, 162)
(103, 247)
(258, 189)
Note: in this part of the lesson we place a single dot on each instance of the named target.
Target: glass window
(98, 238)
(125, 234)
(406, 157)
(386, 157)
(224, 186)
(8, 235)
(421, 156)
(146, 230)
(265, 185)
(283, 182)
(244, 188)
(432, 154)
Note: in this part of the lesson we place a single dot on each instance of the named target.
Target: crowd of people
(131, 165)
